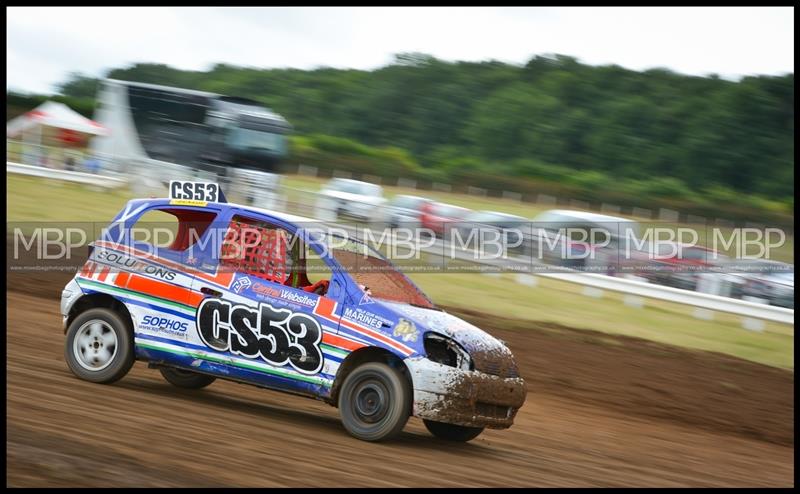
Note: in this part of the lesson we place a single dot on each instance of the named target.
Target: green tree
(547, 119)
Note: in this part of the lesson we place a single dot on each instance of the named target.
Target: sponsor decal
(188, 202)
(162, 324)
(364, 317)
(123, 261)
(365, 299)
(406, 329)
(241, 283)
(285, 294)
(192, 261)
(266, 290)
(298, 298)
(277, 336)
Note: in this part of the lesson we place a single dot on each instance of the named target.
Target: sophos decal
(125, 262)
(164, 324)
(278, 336)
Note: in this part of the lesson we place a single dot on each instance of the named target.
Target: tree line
(594, 128)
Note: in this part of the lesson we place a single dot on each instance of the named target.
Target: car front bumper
(468, 398)
(69, 295)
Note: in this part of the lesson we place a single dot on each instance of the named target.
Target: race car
(230, 295)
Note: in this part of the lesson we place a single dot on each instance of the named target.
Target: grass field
(563, 303)
(33, 199)
(526, 210)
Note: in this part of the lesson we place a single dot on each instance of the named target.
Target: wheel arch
(102, 300)
(362, 356)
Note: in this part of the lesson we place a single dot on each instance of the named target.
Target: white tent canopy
(53, 114)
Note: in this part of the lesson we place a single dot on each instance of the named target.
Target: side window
(316, 269)
(600, 236)
(694, 254)
(155, 227)
(271, 253)
(171, 229)
(256, 248)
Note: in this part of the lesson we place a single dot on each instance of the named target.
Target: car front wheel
(452, 432)
(99, 346)
(375, 402)
(186, 379)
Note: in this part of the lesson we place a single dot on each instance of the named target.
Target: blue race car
(274, 300)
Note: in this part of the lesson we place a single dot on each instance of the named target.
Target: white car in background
(770, 281)
(345, 198)
(403, 211)
(562, 232)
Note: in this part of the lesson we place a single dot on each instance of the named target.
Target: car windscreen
(448, 211)
(784, 278)
(480, 218)
(370, 189)
(407, 202)
(373, 271)
(694, 254)
(360, 188)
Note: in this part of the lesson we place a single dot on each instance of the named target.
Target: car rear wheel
(452, 432)
(375, 402)
(99, 346)
(186, 379)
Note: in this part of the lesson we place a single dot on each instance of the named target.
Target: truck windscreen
(243, 139)
(253, 122)
(170, 125)
(199, 129)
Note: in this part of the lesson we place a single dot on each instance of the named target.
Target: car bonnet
(488, 353)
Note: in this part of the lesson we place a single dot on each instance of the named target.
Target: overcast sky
(45, 44)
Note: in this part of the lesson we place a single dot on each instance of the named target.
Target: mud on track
(601, 411)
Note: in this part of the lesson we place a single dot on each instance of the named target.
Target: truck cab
(196, 129)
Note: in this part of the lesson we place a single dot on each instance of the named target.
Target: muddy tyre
(186, 379)
(99, 346)
(375, 402)
(452, 432)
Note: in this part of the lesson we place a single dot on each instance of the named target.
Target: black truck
(197, 129)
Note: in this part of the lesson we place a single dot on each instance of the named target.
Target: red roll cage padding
(320, 287)
(256, 250)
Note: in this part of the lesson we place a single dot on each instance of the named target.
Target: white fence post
(407, 182)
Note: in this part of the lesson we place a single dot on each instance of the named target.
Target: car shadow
(212, 399)
(209, 397)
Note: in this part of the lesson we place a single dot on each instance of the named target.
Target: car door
(267, 326)
(143, 260)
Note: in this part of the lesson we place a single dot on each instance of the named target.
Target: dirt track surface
(601, 411)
